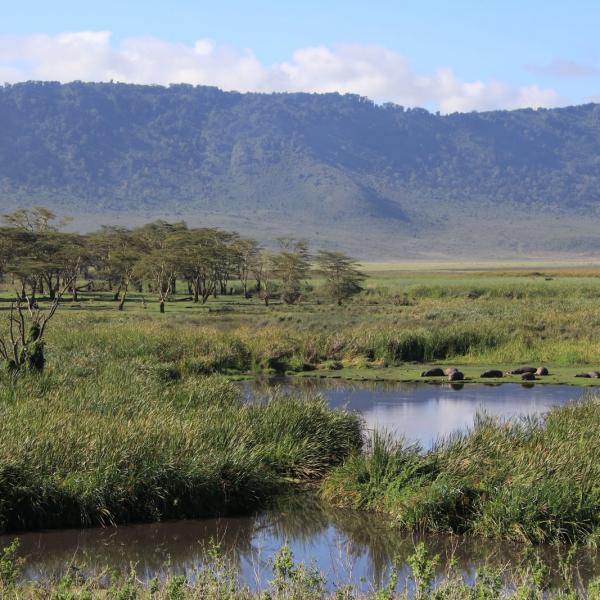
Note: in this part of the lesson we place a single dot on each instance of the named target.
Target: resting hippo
(455, 376)
(541, 371)
(590, 375)
(492, 373)
(435, 372)
(450, 370)
(528, 376)
(521, 370)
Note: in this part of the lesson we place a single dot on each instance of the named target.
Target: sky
(443, 55)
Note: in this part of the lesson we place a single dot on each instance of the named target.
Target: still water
(346, 546)
(424, 413)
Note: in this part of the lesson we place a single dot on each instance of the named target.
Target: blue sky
(453, 55)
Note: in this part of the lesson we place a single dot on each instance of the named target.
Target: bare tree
(22, 347)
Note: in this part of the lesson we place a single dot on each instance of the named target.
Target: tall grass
(561, 331)
(534, 480)
(121, 446)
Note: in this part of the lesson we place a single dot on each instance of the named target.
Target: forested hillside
(379, 181)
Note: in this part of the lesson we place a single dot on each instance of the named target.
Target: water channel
(346, 546)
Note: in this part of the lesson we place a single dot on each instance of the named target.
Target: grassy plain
(408, 316)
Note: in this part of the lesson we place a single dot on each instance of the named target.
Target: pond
(346, 546)
(423, 413)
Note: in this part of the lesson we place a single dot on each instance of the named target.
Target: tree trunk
(122, 303)
(161, 306)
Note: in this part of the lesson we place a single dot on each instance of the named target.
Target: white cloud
(367, 70)
(565, 69)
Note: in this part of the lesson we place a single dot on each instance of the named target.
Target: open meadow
(406, 317)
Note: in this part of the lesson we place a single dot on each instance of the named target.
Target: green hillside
(380, 181)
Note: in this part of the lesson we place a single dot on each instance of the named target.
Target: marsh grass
(119, 446)
(533, 480)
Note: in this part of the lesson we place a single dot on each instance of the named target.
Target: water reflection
(347, 546)
(422, 412)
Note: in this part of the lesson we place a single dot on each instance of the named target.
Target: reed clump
(533, 480)
(118, 446)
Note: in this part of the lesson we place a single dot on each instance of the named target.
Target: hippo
(541, 371)
(528, 376)
(521, 370)
(450, 370)
(492, 373)
(455, 376)
(590, 375)
(435, 372)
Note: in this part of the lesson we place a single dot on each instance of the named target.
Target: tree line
(40, 259)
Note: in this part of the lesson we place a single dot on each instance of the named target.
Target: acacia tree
(116, 254)
(159, 242)
(342, 277)
(247, 253)
(196, 254)
(291, 266)
(263, 270)
(36, 253)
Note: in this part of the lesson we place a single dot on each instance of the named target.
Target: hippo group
(527, 373)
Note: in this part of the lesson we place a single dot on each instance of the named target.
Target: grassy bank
(534, 480)
(122, 445)
(365, 350)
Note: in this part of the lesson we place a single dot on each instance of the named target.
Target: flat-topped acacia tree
(342, 277)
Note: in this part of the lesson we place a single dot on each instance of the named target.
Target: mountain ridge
(376, 180)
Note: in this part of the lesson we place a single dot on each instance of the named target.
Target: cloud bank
(370, 71)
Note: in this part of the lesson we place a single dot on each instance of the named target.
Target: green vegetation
(121, 444)
(234, 308)
(219, 579)
(532, 481)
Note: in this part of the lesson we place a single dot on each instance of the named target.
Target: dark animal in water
(492, 373)
(455, 376)
(528, 376)
(435, 372)
(541, 371)
(521, 370)
(590, 375)
(450, 370)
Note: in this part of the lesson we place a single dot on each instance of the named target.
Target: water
(421, 412)
(346, 546)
